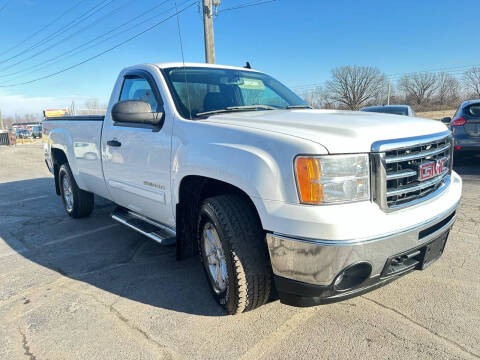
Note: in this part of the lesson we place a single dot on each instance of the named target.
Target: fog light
(352, 276)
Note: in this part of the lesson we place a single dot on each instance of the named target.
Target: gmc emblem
(431, 169)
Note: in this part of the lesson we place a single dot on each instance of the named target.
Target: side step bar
(145, 226)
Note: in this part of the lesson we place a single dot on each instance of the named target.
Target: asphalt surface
(93, 289)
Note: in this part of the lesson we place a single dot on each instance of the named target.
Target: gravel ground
(93, 289)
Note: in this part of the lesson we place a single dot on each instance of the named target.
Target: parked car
(37, 132)
(465, 127)
(229, 163)
(23, 134)
(390, 109)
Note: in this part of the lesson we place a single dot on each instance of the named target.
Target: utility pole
(313, 96)
(1, 121)
(208, 31)
(72, 109)
(388, 97)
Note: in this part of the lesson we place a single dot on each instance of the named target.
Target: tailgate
(472, 128)
(472, 118)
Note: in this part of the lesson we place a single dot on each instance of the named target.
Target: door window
(138, 88)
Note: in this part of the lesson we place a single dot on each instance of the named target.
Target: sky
(296, 41)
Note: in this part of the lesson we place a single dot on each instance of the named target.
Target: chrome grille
(397, 163)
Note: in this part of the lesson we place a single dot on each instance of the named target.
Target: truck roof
(164, 65)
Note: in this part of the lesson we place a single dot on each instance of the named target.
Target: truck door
(136, 157)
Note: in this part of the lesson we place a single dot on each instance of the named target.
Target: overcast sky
(298, 42)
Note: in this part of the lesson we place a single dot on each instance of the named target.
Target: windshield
(388, 110)
(211, 89)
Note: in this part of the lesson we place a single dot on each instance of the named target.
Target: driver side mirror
(137, 112)
(446, 120)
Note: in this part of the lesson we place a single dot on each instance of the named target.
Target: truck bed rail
(77, 118)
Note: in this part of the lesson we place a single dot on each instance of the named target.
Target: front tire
(78, 203)
(233, 250)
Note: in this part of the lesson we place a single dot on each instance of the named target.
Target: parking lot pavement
(92, 289)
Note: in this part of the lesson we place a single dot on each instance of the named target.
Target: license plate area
(434, 250)
(418, 258)
(472, 129)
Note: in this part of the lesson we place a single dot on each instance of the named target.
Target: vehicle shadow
(466, 164)
(98, 251)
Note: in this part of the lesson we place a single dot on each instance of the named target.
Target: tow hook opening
(352, 276)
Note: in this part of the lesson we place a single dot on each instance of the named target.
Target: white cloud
(11, 104)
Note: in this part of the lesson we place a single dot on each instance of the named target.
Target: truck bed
(79, 137)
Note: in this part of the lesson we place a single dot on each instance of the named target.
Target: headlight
(333, 178)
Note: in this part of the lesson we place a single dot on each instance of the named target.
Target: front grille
(398, 181)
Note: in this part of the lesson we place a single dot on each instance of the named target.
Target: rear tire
(244, 271)
(78, 203)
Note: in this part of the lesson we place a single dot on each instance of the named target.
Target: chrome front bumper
(318, 262)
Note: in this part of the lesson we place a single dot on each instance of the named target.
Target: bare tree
(380, 97)
(471, 80)
(11, 119)
(324, 99)
(419, 88)
(92, 103)
(8, 121)
(447, 89)
(353, 86)
(318, 98)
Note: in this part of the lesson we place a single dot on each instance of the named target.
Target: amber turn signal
(308, 180)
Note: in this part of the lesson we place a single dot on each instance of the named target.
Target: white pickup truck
(228, 163)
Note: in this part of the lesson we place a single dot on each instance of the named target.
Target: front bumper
(297, 293)
(306, 268)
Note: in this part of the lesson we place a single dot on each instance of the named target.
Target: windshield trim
(173, 94)
(258, 107)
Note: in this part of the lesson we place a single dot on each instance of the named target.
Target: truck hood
(338, 131)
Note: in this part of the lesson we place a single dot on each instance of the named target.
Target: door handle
(115, 143)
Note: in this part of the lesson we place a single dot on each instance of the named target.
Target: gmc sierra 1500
(229, 163)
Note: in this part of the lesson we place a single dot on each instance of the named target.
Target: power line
(208, 14)
(451, 68)
(68, 36)
(63, 29)
(83, 47)
(455, 70)
(453, 73)
(103, 52)
(32, 35)
(183, 60)
(244, 5)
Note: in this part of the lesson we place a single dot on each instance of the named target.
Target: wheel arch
(193, 189)
(58, 159)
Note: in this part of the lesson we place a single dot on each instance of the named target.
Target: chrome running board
(150, 228)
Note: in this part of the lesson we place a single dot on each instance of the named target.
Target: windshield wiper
(237, 108)
(298, 107)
